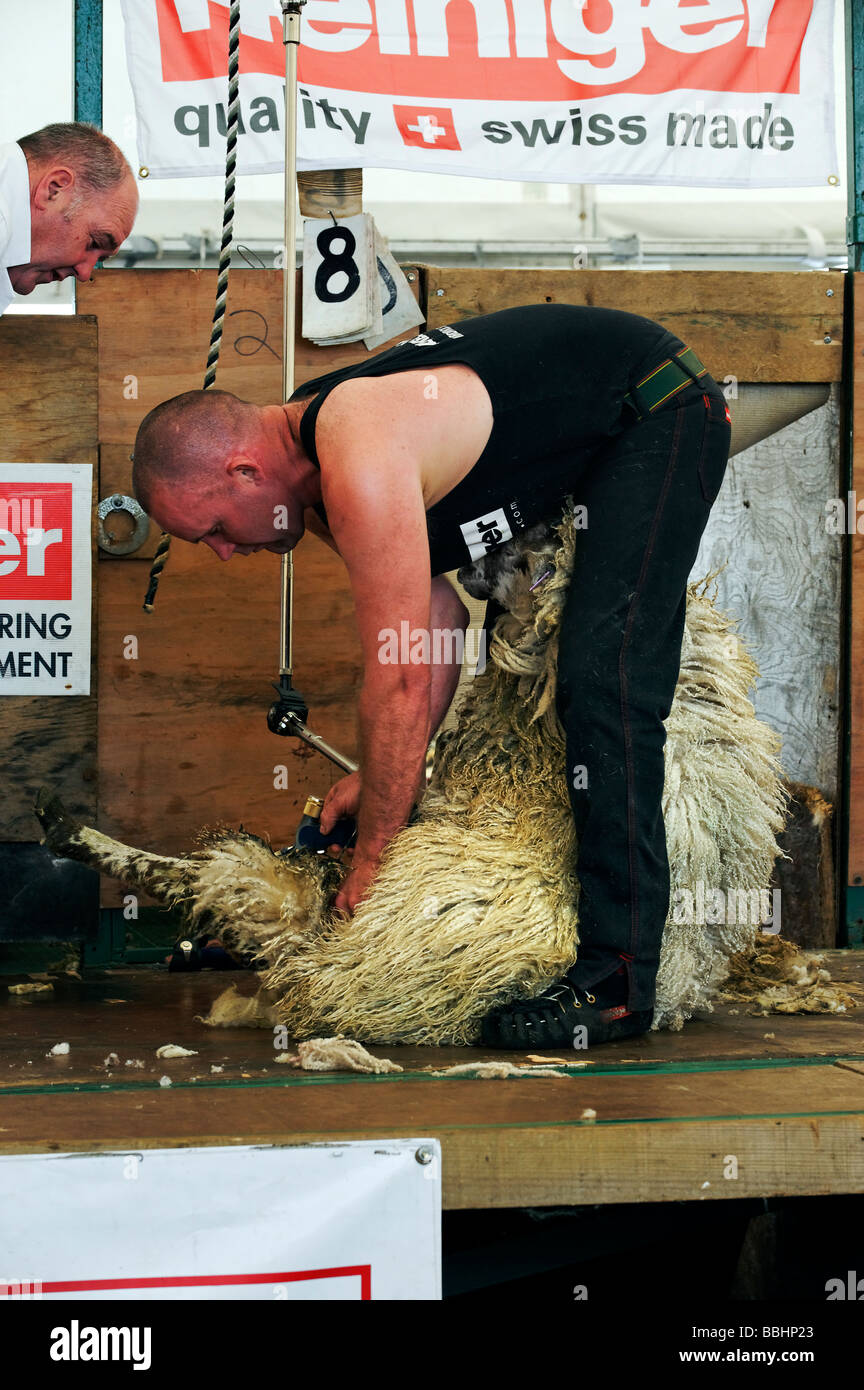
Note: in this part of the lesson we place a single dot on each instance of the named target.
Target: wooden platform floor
(732, 1106)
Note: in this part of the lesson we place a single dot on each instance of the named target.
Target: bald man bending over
(423, 459)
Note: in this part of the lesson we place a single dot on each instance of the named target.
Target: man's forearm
(445, 678)
(398, 717)
(449, 619)
(394, 735)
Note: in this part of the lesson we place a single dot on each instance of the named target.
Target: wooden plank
(793, 1132)
(856, 581)
(132, 1011)
(183, 738)
(47, 405)
(48, 414)
(182, 730)
(753, 325)
(670, 1107)
(154, 327)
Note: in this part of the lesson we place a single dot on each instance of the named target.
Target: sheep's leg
(234, 886)
(163, 877)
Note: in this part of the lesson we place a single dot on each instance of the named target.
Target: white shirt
(14, 216)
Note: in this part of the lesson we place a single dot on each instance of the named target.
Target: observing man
(67, 199)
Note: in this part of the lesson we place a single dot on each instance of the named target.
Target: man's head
(210, 467)
(83, 201)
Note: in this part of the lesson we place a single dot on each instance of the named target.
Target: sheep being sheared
(476, 901)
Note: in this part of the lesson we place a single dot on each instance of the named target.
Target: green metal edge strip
(87, 106)
(855, 132)
(851, 895)
(362, 1078)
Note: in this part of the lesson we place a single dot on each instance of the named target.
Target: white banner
(736, 93)
(323, 1222)
(45, 569)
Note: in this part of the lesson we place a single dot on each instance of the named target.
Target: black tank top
(556, 374)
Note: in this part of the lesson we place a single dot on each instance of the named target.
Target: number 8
(332, 264)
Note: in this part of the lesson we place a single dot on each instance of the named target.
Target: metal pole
(855, 132)
(87, 79)
(851, 894)
(288, 715)
(88, 61)
(291, 39)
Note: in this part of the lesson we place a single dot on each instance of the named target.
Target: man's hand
(356, 885)
(343, 799)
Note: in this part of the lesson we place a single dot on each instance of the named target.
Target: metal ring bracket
(119, 502)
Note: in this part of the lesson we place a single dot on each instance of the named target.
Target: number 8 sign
(341, 294)
(337, 264)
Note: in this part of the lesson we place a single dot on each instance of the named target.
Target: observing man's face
(71, 230)
(240, 518)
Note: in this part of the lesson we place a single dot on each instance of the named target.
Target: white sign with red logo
(315, 1222)
(735, 93)
(45, 569)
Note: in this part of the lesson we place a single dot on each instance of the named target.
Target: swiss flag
(430, 127)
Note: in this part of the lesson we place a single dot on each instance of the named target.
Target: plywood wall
(182, 730)
(182, 734)
(759, 327)
(47, 415)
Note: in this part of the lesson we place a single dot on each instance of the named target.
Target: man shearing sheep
(430, 455)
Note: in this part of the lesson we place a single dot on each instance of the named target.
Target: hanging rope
(161, 556)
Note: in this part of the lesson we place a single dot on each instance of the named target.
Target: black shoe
(552, 1018)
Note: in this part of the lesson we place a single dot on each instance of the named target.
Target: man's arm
(448, 621)
(377, 518)
(312, 522)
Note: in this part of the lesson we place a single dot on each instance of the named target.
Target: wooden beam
(182, 732)
(784, 1095)
(794, 1131)
(48, 399)
(753, 325)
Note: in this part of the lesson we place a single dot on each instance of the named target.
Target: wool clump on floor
(336, 1054)
(501, 1071)
(476, 902)
(774, 977)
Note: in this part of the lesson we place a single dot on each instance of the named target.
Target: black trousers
(648, 495)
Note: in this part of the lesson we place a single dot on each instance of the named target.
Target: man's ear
(54, 188)
(240, 467)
